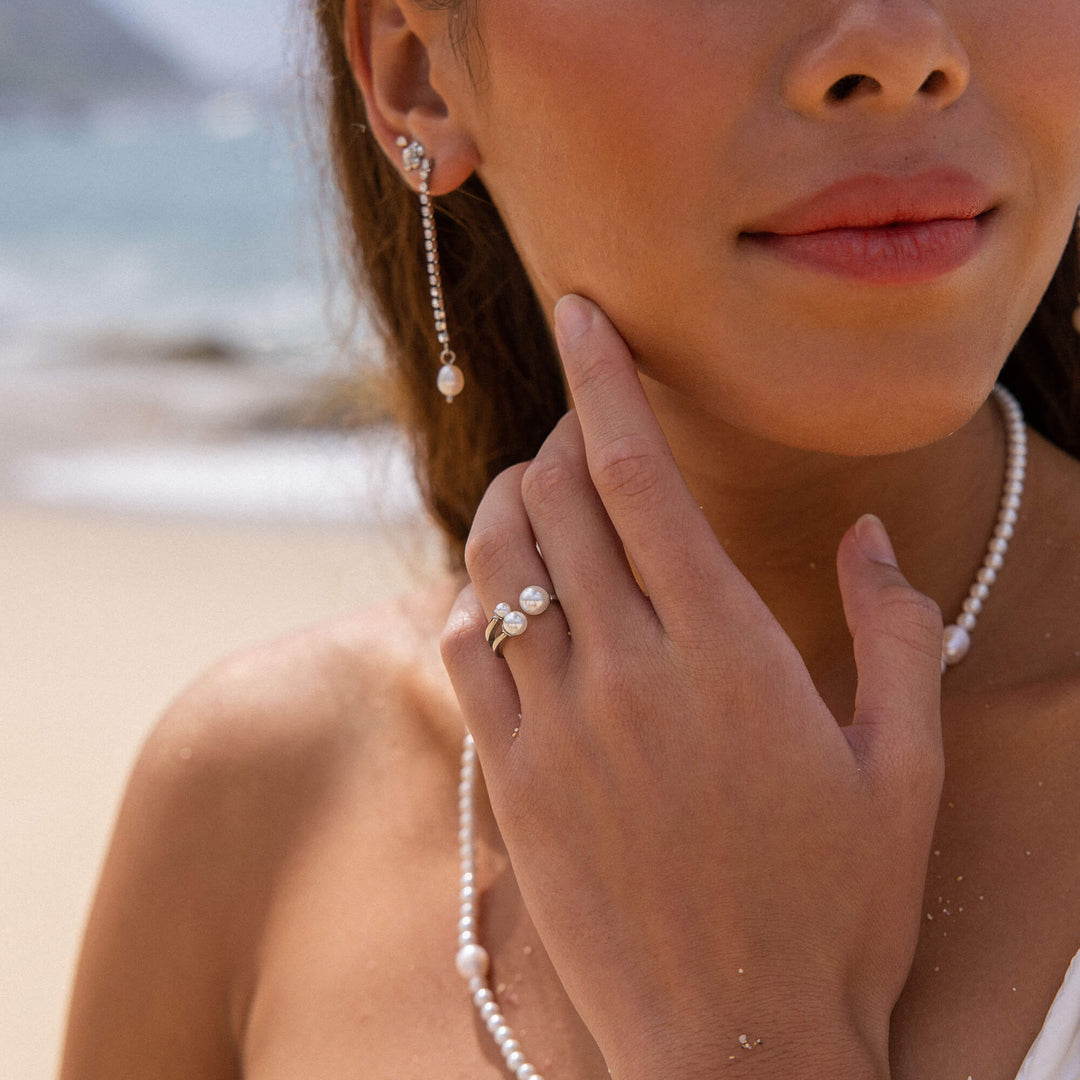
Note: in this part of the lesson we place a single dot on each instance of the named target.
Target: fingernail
(873, 540)
(572, 318)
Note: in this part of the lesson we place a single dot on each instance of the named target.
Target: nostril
(845, 87)
(934, 82)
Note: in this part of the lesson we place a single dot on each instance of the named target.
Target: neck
(780, 514)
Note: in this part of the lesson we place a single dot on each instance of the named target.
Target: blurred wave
(160, 226)
(163, 285)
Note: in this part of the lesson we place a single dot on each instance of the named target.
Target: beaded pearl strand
(956, 640)
(473, 962)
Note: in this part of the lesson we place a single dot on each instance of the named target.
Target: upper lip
(871, 200)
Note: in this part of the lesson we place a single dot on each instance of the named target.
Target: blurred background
(194, 454)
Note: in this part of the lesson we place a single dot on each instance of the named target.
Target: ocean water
(166, 224)
(166, 281)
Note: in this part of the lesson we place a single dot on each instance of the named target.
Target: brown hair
(514, 391)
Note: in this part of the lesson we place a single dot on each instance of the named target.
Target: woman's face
(633, 147)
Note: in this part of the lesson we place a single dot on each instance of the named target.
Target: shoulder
(228, 782)
(254, 745)
(290, 706)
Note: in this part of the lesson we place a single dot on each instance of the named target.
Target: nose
(877, 56)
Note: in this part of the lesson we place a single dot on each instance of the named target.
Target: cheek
(1027, 59)
(590, 144)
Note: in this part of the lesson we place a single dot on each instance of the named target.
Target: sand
(105, 619)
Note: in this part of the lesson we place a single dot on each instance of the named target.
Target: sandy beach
(106, 619)
(192, 460)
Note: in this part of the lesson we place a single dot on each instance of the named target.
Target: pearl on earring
(450, 380)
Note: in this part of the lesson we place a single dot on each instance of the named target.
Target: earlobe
(389, 46)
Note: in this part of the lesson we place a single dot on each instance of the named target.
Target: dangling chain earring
(450, 380)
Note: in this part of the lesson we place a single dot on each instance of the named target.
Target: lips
(881, 229)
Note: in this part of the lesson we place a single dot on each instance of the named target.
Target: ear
(399, 53)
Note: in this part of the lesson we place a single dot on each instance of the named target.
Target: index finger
(666, 535)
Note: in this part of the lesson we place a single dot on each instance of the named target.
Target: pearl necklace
(473, 962)
(956, 639)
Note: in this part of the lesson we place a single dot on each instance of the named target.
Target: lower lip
(890, 255)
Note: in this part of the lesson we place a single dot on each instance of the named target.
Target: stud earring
(450, 380)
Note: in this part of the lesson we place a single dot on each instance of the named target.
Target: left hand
(704, 851)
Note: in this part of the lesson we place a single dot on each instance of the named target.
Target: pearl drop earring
(450, 379)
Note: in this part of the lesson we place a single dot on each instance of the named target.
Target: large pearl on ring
(514, 624)
(534, 600)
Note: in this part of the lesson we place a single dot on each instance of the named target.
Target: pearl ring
(506, 622)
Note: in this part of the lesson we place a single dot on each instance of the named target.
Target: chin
(873, 418)
(875, 389)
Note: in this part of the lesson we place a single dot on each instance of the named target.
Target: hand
(704, 851)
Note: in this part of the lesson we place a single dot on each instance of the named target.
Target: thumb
(897, 640)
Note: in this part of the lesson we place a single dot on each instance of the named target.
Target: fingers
(483, 683)
(580, 546)
(502, 561)
(665, 534)
(897, 641)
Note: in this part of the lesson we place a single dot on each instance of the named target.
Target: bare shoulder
(316, 692)
(226, 784)
(266, 730)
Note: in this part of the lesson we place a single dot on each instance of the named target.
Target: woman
(734, 819)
